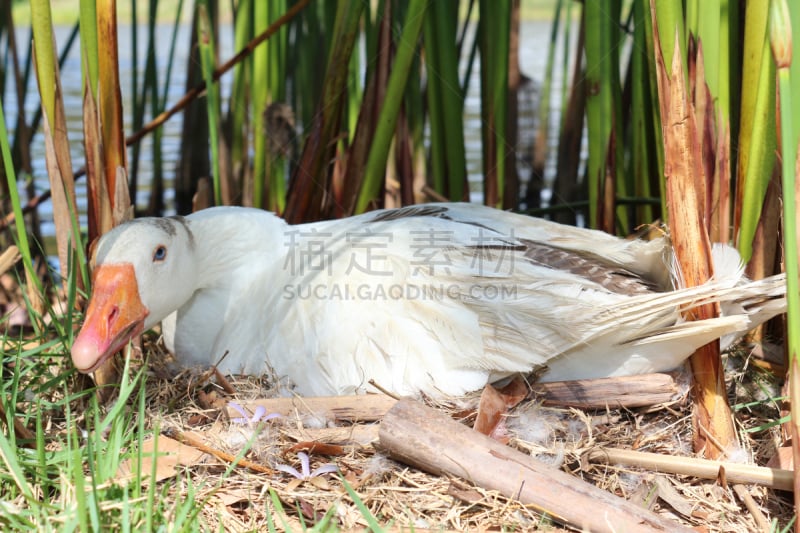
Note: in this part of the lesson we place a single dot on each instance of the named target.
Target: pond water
(534, 42)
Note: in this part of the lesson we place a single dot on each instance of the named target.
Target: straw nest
(408, 499)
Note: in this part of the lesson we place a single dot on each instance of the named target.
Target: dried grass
(408, 498)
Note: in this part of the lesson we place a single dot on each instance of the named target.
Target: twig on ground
(744, 495)
(383, 390)
(185, 438)
(223, 381)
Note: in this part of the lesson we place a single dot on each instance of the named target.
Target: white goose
(436, 298)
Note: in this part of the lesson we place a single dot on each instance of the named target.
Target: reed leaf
(493, 31)
(728, 48)
(194, 161)
(13, 71)
(708, 23)
(445, 101)
(686, 180)
(260, 93)
(98, 198)
(511, 181)
(670, 18)
(21, 235)
(379, 152)
(138, 101)
(354, 86)
(536, 182)
(794, 67)
(780, 38)
(414, 179)
(603, 111)
(110, 99)
(57, 154)
(238, 119)
(314, 28)
(207, 49)
(644, 18)
(704, 21)
(311, 177)
(346, 183)
(566, 186)
(644, 118)
(158, 102)
(277, 119)
(757, 140)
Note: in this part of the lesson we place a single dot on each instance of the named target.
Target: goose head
(144, 270)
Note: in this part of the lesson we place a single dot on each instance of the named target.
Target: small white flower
(306, 474)
(259, 415)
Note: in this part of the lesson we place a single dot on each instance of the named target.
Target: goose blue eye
(160, 253)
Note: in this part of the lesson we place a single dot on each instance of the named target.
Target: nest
(240, 499)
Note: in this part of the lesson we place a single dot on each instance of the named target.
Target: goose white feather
(438, 298)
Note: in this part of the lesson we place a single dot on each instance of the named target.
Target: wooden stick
(188, 440)
(362, 408)
(357, 434)
(430, 440)
(774, 478)
(752, 506)
(621, 392)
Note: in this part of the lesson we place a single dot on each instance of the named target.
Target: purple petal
(289, 470)
(244, 419)
(304, 464)
(258, 413)
(324, 469)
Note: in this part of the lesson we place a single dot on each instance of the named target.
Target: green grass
(65, 476)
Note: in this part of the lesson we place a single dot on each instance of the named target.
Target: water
(534, 43)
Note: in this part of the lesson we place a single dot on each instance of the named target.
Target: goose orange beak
(115, 315)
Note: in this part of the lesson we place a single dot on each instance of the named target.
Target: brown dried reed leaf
(169, 455)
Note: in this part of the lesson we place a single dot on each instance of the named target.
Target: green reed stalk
(138, 100)
(311, 177)
(494, 47)
(276, 81)
(603, 110)
(780, 36)
(150, 90)
(644, 115)
(260, 97)
(757, 139)
(378, 154)
(205, 40)
(445, 101)
(238, 118)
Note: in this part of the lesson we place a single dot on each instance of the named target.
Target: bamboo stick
(774, 478)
